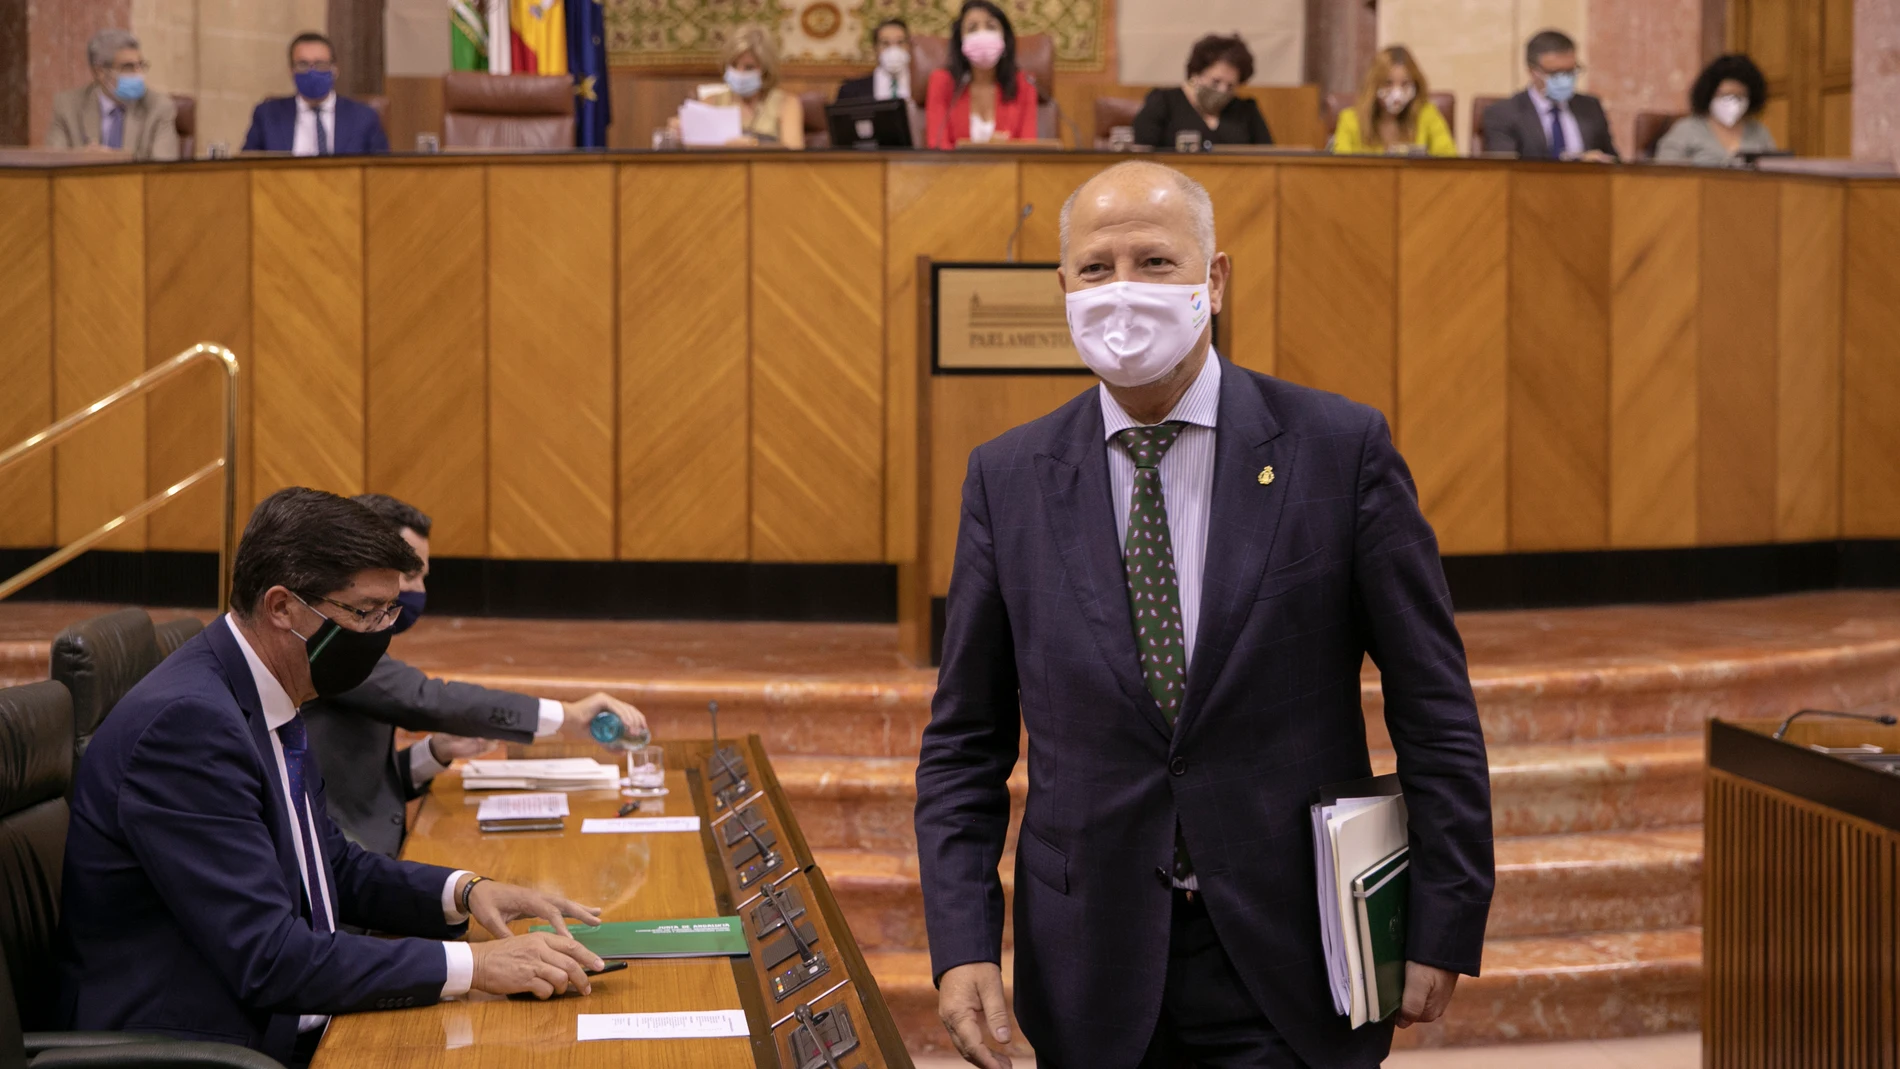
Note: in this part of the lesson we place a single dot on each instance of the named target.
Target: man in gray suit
(368, 780)
(1550, 119)
(117, 111)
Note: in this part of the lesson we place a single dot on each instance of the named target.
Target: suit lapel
(1242, 521)
(237, 674)
(89, 123)
(1074, 481)
(1538, 142)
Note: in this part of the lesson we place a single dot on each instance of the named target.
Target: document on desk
(707, 125)
(637, 825)
(544, 806)
(676, 937)
(701, 1024)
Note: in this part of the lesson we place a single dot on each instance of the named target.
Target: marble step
(1547, 885)
(866, 803)
(1594, 986)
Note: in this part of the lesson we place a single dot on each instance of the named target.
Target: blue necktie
(1558, 146)
(296, 743)
(113, 133)
(323, 137)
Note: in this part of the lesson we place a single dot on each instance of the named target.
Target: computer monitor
(868, 124)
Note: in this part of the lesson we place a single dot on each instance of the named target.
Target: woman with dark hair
(1204, 103)
(980, 96)
(1721, 129)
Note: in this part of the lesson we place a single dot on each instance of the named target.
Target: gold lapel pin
(1266, 475)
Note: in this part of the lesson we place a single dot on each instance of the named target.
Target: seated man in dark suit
(352, 735)
(891, 79)
(205, 888)
(1550, 119)
(315, 122)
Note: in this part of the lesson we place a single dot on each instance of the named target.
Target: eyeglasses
(1577, 70)
(307, 67)
(371, 619)
(129, 68)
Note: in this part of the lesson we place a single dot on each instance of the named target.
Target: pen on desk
(631, 807)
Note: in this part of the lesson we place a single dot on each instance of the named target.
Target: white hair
(1200, 206)
(105, 45)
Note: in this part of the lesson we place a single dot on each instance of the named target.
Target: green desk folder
(1380, 893)
(695, 937)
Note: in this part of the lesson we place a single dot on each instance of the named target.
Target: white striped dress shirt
(1187, 484)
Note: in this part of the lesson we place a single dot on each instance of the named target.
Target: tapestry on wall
(650, 33)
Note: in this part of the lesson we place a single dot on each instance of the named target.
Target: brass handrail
(138, 387)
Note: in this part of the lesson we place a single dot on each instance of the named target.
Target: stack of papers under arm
(555, 774)
(1352, 835)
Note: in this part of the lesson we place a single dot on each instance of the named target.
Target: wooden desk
(631, 877)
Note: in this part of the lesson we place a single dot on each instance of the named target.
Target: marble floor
(1681, 1050)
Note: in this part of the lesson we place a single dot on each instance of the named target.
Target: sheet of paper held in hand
(549, 806)
(704, 124)
(637, 825)
(707, 1024)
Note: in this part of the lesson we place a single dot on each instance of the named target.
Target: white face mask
(895, 60)
(1728, 110)
(1395, 100)
(1134, 333)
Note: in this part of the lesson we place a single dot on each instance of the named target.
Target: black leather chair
(99, 660)
(175, 633)
(36, 763)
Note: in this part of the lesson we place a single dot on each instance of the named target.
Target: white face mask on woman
(1394, 101)
(1134, 333)
(1728, 109)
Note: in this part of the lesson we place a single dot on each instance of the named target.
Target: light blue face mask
(129, 87)
(1559, 88)
(744, 83)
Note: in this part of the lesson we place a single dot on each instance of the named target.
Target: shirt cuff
(553, 715)
(461, 958)
(449, 912)
(423, 766)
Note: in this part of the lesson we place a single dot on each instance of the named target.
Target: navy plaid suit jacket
(1304, 576)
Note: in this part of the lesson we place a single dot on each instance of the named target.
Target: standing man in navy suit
(315, 122)
(206, 892)
(1169, 585)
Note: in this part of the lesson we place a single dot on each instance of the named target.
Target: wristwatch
(467, 889)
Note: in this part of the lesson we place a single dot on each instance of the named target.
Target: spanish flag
(538, 31)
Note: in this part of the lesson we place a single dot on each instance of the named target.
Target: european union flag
(587, 62)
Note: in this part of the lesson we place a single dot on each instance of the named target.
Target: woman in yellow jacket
(1394, 112)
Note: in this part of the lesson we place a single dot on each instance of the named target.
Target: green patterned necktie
(1148, 557)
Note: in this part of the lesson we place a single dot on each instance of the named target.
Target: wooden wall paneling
(1247, 228)
(26, 355)
(427, 341)
(98, 345)
(1654, 293)
(1559, 359)
(551, 361)
(198, 289)
(415, 107)
(1046, 185)
(966, 411)
(1735, 497)
(1339, 281)
(960, 211)
(818, 362)
(1870, 399)
(1453, 282)
(685, 406)
(307, 408)
(1808, 363)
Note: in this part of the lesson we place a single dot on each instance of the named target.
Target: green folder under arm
(1381, 893)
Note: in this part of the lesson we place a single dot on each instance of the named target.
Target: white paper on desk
(704, 1024)
(704, 124)
(547, 806)
(637, 825)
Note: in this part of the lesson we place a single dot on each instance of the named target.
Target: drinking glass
(646, 772)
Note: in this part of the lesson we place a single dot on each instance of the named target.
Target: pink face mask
(984, 48)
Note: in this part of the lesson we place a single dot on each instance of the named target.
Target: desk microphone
(1074, 131)
(1883, 718)
(1009, 247)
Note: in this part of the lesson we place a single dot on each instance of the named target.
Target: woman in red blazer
(980, 96)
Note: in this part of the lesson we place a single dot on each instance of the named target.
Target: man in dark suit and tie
(315, 121)
(205, 889)
(353, 735)
(1550, 119)
(890, 79)
(1169, 584)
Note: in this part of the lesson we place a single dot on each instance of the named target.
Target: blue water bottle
(610, 731)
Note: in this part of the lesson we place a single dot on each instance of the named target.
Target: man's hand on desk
(971, 1005)
(494, 904)
(541, 963)
(581, 711)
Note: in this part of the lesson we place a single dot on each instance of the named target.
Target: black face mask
(341, 659)
(412, 602)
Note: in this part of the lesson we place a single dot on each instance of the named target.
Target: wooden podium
(1801, 898)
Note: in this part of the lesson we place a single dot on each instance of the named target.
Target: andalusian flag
(468, 36)
(539, 29)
